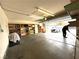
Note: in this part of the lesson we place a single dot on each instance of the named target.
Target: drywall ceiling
(28, 6)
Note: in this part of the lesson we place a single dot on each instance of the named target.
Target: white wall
(4, 34)
(22, 21)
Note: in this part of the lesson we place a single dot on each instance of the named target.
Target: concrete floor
(45, 46)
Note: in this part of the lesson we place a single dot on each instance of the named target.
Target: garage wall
(3, 33)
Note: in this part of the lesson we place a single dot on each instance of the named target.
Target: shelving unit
(14, 27)
(22, 29)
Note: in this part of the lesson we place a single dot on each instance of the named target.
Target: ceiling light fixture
(44, 11)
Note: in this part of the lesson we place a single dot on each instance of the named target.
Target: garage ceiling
(21, 9)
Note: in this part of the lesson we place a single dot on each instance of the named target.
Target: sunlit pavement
(44, 46)
(71, 37)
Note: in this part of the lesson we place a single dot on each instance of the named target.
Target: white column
(36, 28)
